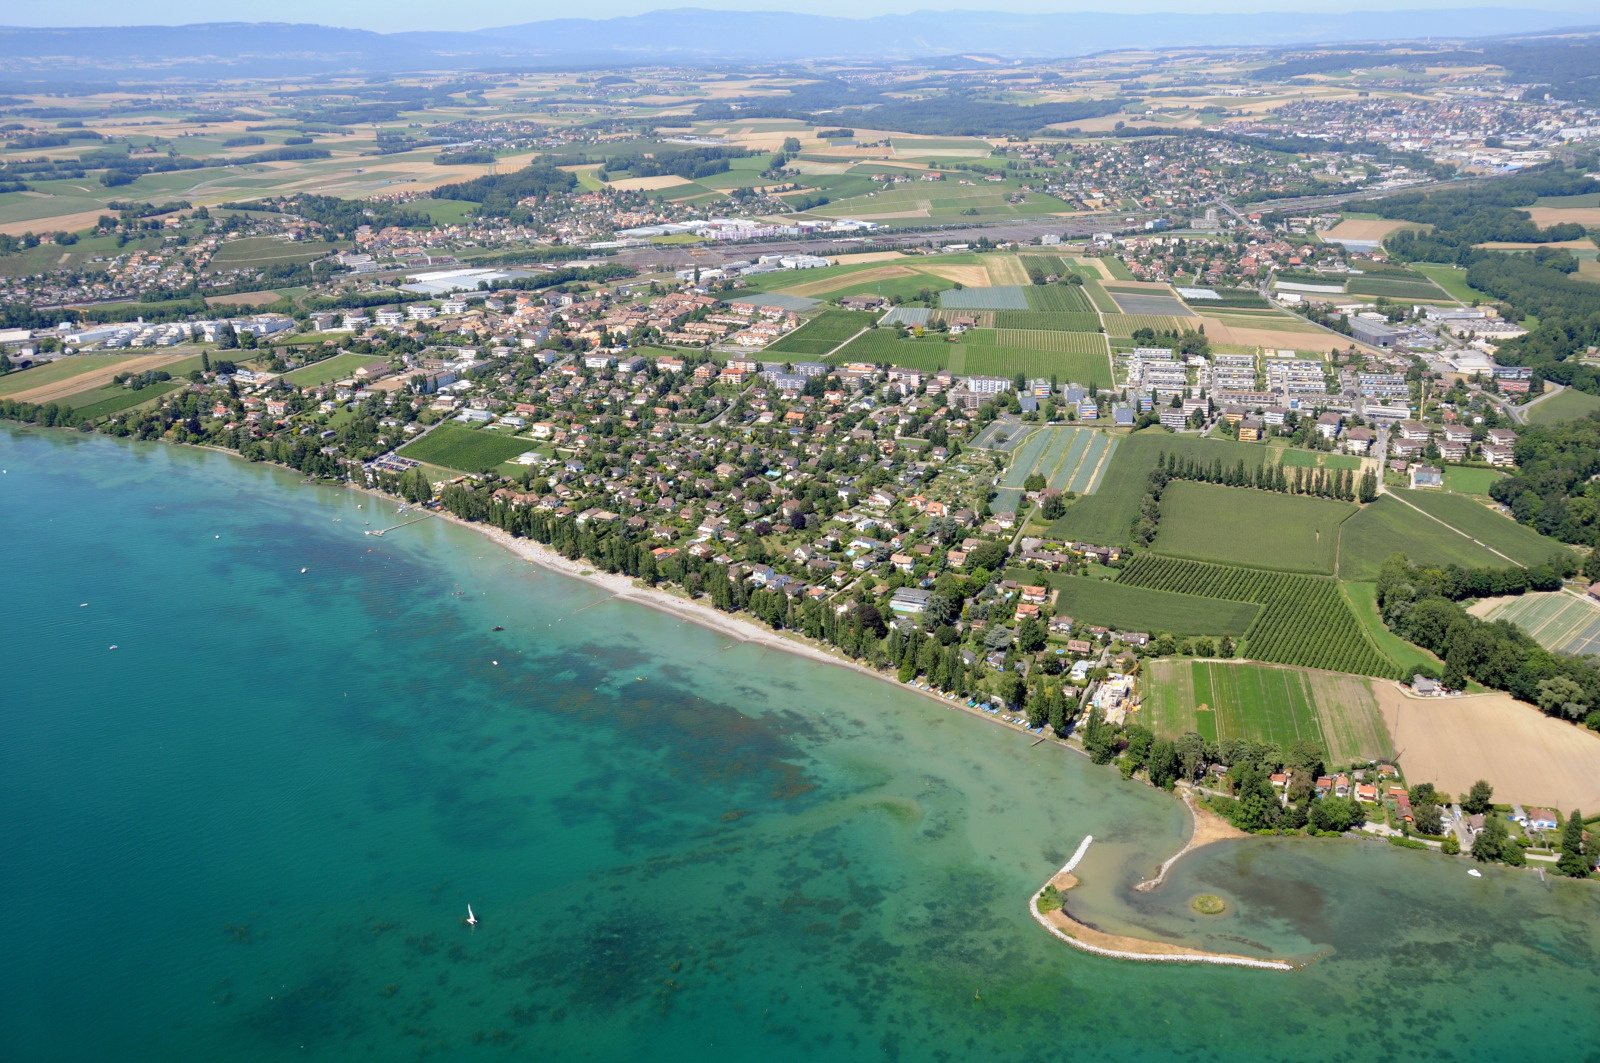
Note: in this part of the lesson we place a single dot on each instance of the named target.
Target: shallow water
(251, 831)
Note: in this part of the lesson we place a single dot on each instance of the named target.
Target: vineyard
(1057, 298)
(1303, 621)
(1064, 342)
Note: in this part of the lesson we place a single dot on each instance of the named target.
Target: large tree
(1573, 861)
(1478, 799)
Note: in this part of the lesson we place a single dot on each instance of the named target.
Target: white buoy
(495, 663)
(302, 571)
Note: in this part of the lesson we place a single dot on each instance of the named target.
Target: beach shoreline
(1208, 828)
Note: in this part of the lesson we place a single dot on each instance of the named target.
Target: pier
(380, 531)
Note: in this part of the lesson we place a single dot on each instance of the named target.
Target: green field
(455, 446)
(1363, 599)
(266, 251)
(817, 337)
(1243, 526)
(1125, 325)
(1069, 459)
(339, 367)
(1261, 703)
(1396, 287)
(1388, 526)
(54, 372)
(1060, 342)
(1453, 279)
(1057, 298)
(1098, 601)
(975, 353)
(1047, 321)
(1469, 481)
(1567, 405)
(1560, 621)
(105, 401)
(1475, 520)
(1304, 620)
(1106, 517)
(1310, 459)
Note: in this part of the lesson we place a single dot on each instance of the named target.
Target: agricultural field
(1560, 621)
(1148, 302)
(256, 251)
(339, 367)
(1388, 526)
(1363, 599)
(1566, 405)
(1047, 320)
(975, 353)
(1396, 287)
(1061, 342)
(107, 401)
(1531, 758)
(1097, 601)
(64, 378)
(819, 336)
(1265, 703)
(1125, 325)
(56, 372)
(1304, 620)
(455, 446)
(1312, 459)
(1240, 525)
(1517, 541)
(1106, 517)
(1058, 298)
(1453, 279)
(984, 298)
(1069, 459)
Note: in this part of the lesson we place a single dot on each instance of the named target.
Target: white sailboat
(472, 920)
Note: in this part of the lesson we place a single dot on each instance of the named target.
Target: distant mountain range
(691, 35)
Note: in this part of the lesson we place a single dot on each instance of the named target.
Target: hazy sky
(391, 15)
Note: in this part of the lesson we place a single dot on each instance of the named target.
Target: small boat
(1474, 872)
(472, 920)
(497, 628)
(302, 572)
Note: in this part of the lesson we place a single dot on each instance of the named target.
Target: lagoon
(251, 831)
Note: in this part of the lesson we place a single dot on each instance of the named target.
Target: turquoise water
(251, 831)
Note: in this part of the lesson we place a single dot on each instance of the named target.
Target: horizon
(415, 16)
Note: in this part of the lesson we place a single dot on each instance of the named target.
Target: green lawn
(1098, 601)
(1468, 481)
(1388, 527)
(455, 446)
(1243, 526)
(338, 367)
(1567, 405)
(1106, 517)
(1517, 541)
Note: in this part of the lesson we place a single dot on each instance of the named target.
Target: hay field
(1005, 270)
(95, 376)
(971, 276)
(1529, 757)
(1547, 216)
(861, 257)
(1367, 228)
(1291, 333)
(649, 184)
(848, 280)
